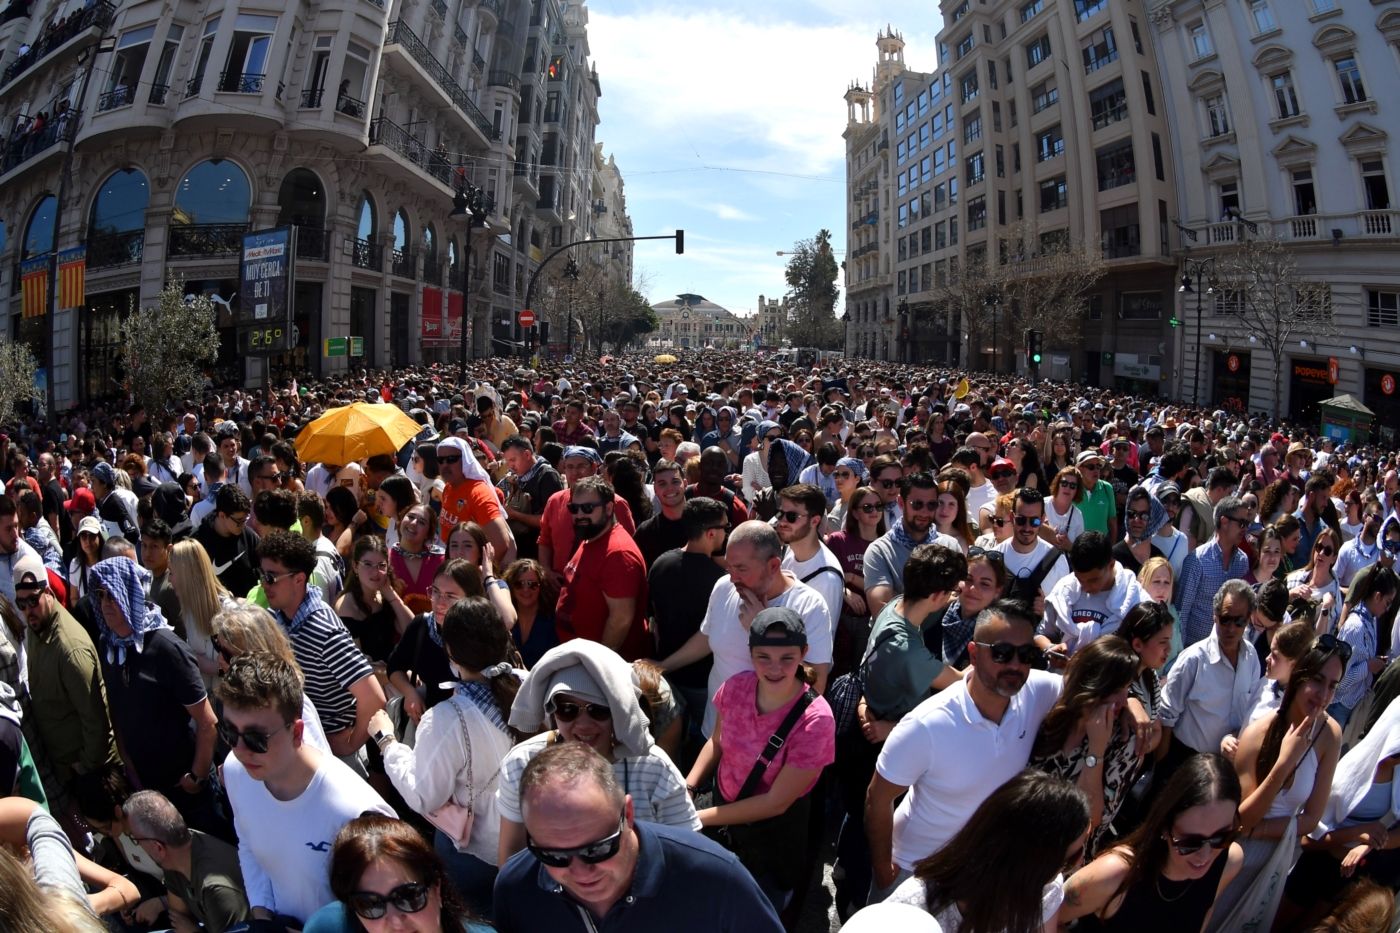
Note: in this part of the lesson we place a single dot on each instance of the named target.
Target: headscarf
(470, 468)
(127, 583)
(855, 465)
(796, 458)
(1157, 513)
(1357, 770)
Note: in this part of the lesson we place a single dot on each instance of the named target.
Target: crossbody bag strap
(775, 743)
(467, 740)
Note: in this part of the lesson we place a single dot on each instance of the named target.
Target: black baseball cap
(777, 627)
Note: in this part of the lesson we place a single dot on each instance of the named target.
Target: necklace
(1173, 900)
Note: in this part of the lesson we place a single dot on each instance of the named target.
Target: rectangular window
(1285, 95)
(1108, 104)
(1349, 76)
(1119, 235)
(976, 214)
(1030, 10)
(1157, 158)
(968, 86)
(996, 116)
(903, 216)
(1037, 52)
(1054, 194)
(940, 197)
(1044, 95)
(1377, 191)
(972, 128)
(1229, 199)
(940, 235)
(1304, 195)
(952, 191)
(1261, 16)
(925, 239)
(1049, 144)
(1217, 115)
(247, 62)
(901, 284)
(925, 170)
(1083, 9)
(940, 161)
(1001, 161)
(992, 74)
(953, 233)
(1101, 49)
(1382, 308)
(1116, 166)
(965, 45)
(1200, 39)
(902, 250)
(1147, 94)
(976, 168)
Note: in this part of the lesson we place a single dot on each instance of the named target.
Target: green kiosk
(1346, 420)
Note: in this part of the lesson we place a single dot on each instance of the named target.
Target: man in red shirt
(604, 598)
(470, 497)
(557, 540)
(571, 428)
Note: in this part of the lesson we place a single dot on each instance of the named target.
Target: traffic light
(1033, 347)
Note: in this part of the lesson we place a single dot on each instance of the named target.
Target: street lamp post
(1197, 269)
(570, 273)
(476, 205)
(903, 324)
(994, 302)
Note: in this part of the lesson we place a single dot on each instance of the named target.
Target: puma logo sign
(319, 846)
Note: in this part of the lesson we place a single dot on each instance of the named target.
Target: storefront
(1382, 395)
(103, 373)
(1230, 380)
(1309, 383)
(1137, 373)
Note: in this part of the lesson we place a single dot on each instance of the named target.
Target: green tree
(166, 346)
(17, 369)
(811, 296)
(627, 317)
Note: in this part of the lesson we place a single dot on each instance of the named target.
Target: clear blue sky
(726, 120)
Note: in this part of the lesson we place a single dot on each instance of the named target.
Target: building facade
(1280, 133)
(693, 322)
(1042, 118)
(770, 321)
(156, 136)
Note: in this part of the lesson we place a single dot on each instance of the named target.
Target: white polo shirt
(952, 758)
(729, 637)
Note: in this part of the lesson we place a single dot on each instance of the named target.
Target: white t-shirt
(831, 586)
(978, 498)
(729, 638)
(1020, 565)
(1072, 524)
(914, 891)
(952, 758)
(284, 846)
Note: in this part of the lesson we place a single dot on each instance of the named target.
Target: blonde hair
(200, 593)
(25, 908)
(248, 629)
(1151, 566)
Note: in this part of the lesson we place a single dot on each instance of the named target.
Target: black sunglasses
(23, 603)
(1331, 644)
(1190, 845)
(253, 740)
(449, 458)
(1003, 651)
(870, 508)
(789, 516)
(567, 711)
(526, 585)
(1033, 521)
(1239, 621)
(407, 899)
(996, 557)
(587, 508)
(887, 483)
(592, 853)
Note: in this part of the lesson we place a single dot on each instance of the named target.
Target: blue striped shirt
(1359, 631)
(1202, 575)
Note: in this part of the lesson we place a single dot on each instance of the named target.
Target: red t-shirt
(610, 565)
(557, 525)
(471, 500)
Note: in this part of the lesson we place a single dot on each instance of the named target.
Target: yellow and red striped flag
(72, 271)
(34, 282)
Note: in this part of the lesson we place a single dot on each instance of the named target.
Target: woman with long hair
(1285, 764)
(417, 667)
(1063, 520)
(534, 596)
(341, 509)
(460, 744)
(201, 597)
(370, 605)
(1317, 580)
(848, 475)
(86, 550)
(1169, 872)
(1148, 628)
(1276, 500)
(395, 496)
(1287, 645)
(466, 541)
(1032, 830)
(766, 808)
(416, 556)
(1270, 608)
(1268, 557)
(1372, 593)
(1351, 524)
(387, 879)
(1290, 532)
(1022, 453)
(1057, 450)
(1085, 738)
(950, 514)
(984, 584)
(940, 443)
(423, 471)
(864, 522)
(247, 629)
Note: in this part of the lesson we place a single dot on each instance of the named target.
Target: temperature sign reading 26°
(266, 289)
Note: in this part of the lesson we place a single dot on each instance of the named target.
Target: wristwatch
(381, 737)
(1091, 761)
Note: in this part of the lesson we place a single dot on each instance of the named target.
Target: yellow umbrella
(359, 430)
(665, 358)
(962, 389)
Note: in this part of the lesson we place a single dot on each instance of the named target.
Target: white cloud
(730, 212)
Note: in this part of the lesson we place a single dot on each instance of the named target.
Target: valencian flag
(72, 268)
(34, 282)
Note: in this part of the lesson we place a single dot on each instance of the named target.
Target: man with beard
(887, 554)
(956, 748)
(800, 513)
(604, 597)
(557, 541)
(666, 530)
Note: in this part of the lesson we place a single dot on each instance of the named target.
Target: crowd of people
(630, 643)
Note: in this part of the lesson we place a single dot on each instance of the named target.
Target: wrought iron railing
(116, 97)
(367, 255)
(311, 98)
(25, 145)
(158, 94)
(312, 243)
(115, 249)
(401, 263)
(459, 35)
(432, 270)
(192, 86)
(350, 106)
(99, 14)
(206, 239)
(504, 79)
(440, 8)
(242, 82)
(385, 132)
(401, 35)
(478, 63)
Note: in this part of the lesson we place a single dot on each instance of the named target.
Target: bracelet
(197, 782)
(691, 789)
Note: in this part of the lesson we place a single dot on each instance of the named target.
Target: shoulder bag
(454, 819)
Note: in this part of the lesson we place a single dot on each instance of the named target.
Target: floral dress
(1120, 767)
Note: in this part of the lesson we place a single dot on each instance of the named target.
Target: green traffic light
(1035, 358)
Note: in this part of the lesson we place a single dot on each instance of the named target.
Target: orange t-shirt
(469, 501)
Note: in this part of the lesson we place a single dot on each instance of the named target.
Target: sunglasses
(407, 899)
(999, 522)
(269, 578)
(1391, 547)
(1325, 550)
(449, 458)
(1033, 521)
(1002, 474)
(592, 853)
(567, 711)
(1190, 845)
(1331, 644)
(994, 556)
(28, 602)
(586, 508)
(918, 505)
(224, 651)
(1242, 522)
(253, 740)
(1138, 516)
(1003, 652)
(1069, 485)
(887, 483)
(525, 585)
(842, 474)
(789, 516)
(870, 508)
(1240, 621)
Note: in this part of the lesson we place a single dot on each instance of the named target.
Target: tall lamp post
(571, 273)
(1197, 269)
(476, 205)
(903, 324)
(994, 303)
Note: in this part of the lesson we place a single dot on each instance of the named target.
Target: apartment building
(1280, 133)
(158, 135)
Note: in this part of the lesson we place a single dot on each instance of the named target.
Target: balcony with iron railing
(312, 243)
(440, 8)
(459, 35)
(350, 106)
(158, 94)
(311, 98)
(385, 132)
(402, 38)
(478, 63)
(432, 270)
(58, 36)
(245, 82)
(402, 262)
(366, 255)
(121, 96)
(500, 78)
(108, 250)
(199, 240)
(25, 145)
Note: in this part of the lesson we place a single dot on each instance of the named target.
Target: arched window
(301, 200)
(429, 242)
(120, 205)
(365, 221)
(215, 191)
(401, 230)
(38, 233)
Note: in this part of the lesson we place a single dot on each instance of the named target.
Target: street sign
(357, 346)
(527, 318)
(265, 287)
(1333, 370)
(336, 346)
